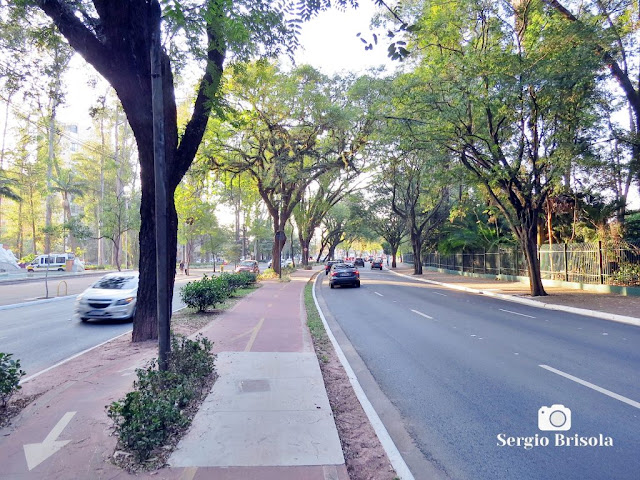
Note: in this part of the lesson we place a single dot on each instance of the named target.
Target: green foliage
(314, 322)
(155, 410)
(204, 293)
(632, 227)
(239, 280)
(10, 375)
(211, 291)
(268, 274)
(627, 274)
(28, 258)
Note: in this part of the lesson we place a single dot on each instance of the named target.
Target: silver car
(112, 297)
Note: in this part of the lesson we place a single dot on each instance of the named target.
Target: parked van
(53, 261)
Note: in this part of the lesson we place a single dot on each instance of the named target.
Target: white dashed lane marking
(379, 294)
(422, 314)
(515, 313)
(592, 386)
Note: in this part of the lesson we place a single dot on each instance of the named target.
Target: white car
(112, 297)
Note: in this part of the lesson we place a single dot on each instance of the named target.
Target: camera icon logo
(554, 418)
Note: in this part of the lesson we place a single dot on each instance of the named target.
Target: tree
(196, 214)
(66, 184)
(609, 30)
(502, 89)
(115, 38)
(416, 198)
(316, 203)
(7, 186)
(215, 240)
(288, 131)
(386, 223)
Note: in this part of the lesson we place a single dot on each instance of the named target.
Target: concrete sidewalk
(267, 416)
(625, 309)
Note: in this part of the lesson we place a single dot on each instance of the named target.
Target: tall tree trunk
(416, 245)
(100, 205)
(49, 199)
(2, 147)
(146, 326)
(33, 221)
(528, 239)
(19, 236)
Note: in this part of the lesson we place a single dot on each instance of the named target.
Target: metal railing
(594, 263)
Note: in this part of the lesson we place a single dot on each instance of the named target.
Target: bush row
(158, 407)
(211, 291)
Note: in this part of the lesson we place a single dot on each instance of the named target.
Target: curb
(398, 463)
(534, 303)
(36, 302)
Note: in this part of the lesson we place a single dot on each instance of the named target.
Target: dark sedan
(328, 265)
(344, 274)
(377, 263)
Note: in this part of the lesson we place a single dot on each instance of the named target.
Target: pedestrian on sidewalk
(181, 266)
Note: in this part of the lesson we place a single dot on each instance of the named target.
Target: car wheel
(358, 285)
(331, 285)
(84, 319)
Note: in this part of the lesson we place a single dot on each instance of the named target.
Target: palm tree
(5, 187)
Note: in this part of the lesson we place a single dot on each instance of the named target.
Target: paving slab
(256, 416)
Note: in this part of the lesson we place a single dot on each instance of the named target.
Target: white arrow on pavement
(36, 453)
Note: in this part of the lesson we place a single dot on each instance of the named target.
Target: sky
(329, 42)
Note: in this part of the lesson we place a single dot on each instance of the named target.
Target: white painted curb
(36, 302)
(398, 463)
(533, 303)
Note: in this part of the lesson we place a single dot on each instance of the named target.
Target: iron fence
(595, 263)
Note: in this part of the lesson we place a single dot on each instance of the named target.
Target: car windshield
(117, 283)
(342, 266)
(247, 263)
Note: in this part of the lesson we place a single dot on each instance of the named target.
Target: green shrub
(28, 258)
(627, 274)
(10, 375)
(268, 274)
(239, 280)
(157, 408)
(204, 293)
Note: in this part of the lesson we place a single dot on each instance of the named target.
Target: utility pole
(157, 99)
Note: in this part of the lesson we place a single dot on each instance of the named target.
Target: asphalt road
(465, 375)
(43, 333)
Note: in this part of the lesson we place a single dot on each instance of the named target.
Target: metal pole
(162, 262)
(600, 266)
(566, 264)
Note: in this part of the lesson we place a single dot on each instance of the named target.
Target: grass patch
(314, 322)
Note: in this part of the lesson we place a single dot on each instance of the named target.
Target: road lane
(46, 333)
(472, 372)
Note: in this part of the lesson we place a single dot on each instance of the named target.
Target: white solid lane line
(379, 294)
(441, 294)
(611, 394)
(516, 313)
(422, 314)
